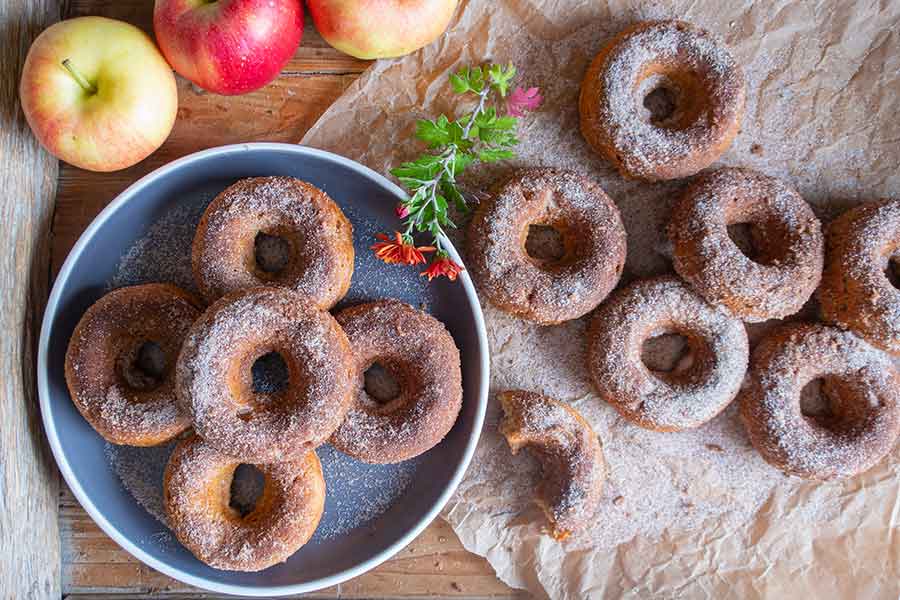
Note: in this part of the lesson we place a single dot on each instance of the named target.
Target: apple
(97, 93)
(228, 46)
(381, 28)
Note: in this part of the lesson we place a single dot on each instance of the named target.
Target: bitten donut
(214, 379)
(547, 291)
(860, 383)
(274, 231)
(856, 294)
(663, 100)
(196, 491)
(675, 400)
(120, 363)
(569, 451)
(788, 245)
(420, 354)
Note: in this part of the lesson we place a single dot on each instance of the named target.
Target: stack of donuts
(663, 100)
(151, 363)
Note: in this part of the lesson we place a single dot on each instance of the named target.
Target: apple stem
(77, 76)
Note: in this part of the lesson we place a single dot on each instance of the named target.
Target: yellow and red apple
(381, 28)
(228, 46)
(97, 93)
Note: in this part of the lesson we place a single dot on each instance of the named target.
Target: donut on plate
(120, 363)
(547, 291)
(788, 245)
(569, 451)
(856, 293)
(662, 100)
(416, 349)
(684, 397)
(274, 231)
(197, 491)
(861, 384)
(215, 383)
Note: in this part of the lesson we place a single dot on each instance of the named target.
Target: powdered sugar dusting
(358, 494)
(856, 292)
(863, 382)
(667, 401)
(711, 89)
(551, 291)
(786, 236)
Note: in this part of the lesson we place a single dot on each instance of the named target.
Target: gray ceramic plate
(159, 209)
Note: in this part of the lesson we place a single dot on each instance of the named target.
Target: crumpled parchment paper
(694, 514)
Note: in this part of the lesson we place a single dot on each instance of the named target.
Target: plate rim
(62, 462)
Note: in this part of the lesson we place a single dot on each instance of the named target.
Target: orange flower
(400, 250)
(442, 266)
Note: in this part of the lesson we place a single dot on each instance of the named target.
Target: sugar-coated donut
(215, 385)
(702, 93)
(416, 349)
(196, 492)
(666, 401)
(787, 240)
(569, 451)
(547, 292)
(860, 382)
(120, 363)
(318, 240)
(856, 294)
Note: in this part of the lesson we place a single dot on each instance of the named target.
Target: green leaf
(459, 85)
(434, 133)
(454, 195)
(501, 78)
(461, 161)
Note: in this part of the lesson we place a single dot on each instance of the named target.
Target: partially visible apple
(97, 93)
(381, 28)
(228, 46)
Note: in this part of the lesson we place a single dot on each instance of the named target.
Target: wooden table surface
(93, 565)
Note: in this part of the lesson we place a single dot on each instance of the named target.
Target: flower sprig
(483, 134)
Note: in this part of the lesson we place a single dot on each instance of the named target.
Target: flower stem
(79, 77)
(446, 161)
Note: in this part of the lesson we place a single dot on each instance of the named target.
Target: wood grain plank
(435, 564)
(29, 543)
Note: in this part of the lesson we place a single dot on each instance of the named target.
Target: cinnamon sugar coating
(706, 90)
(125, 403)
(787, 240)
(317, 235)
(860, 382)
(547, 291)
(573, 467)
(422, 356)
(214, 381)
(666, 401)
(197, 489)
(856, 293)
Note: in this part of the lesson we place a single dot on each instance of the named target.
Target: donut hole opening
(271, 252)
(380, 384)
(892, 271)
(545, 244)
(835, 406)
(145, 366)
(247, 485)
(668, 354)
(670, 99)
(661, 103)
(270, 374)
(758, 241)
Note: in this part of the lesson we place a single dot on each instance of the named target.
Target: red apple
(97, 93)
(381, 28)
(228, 46)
